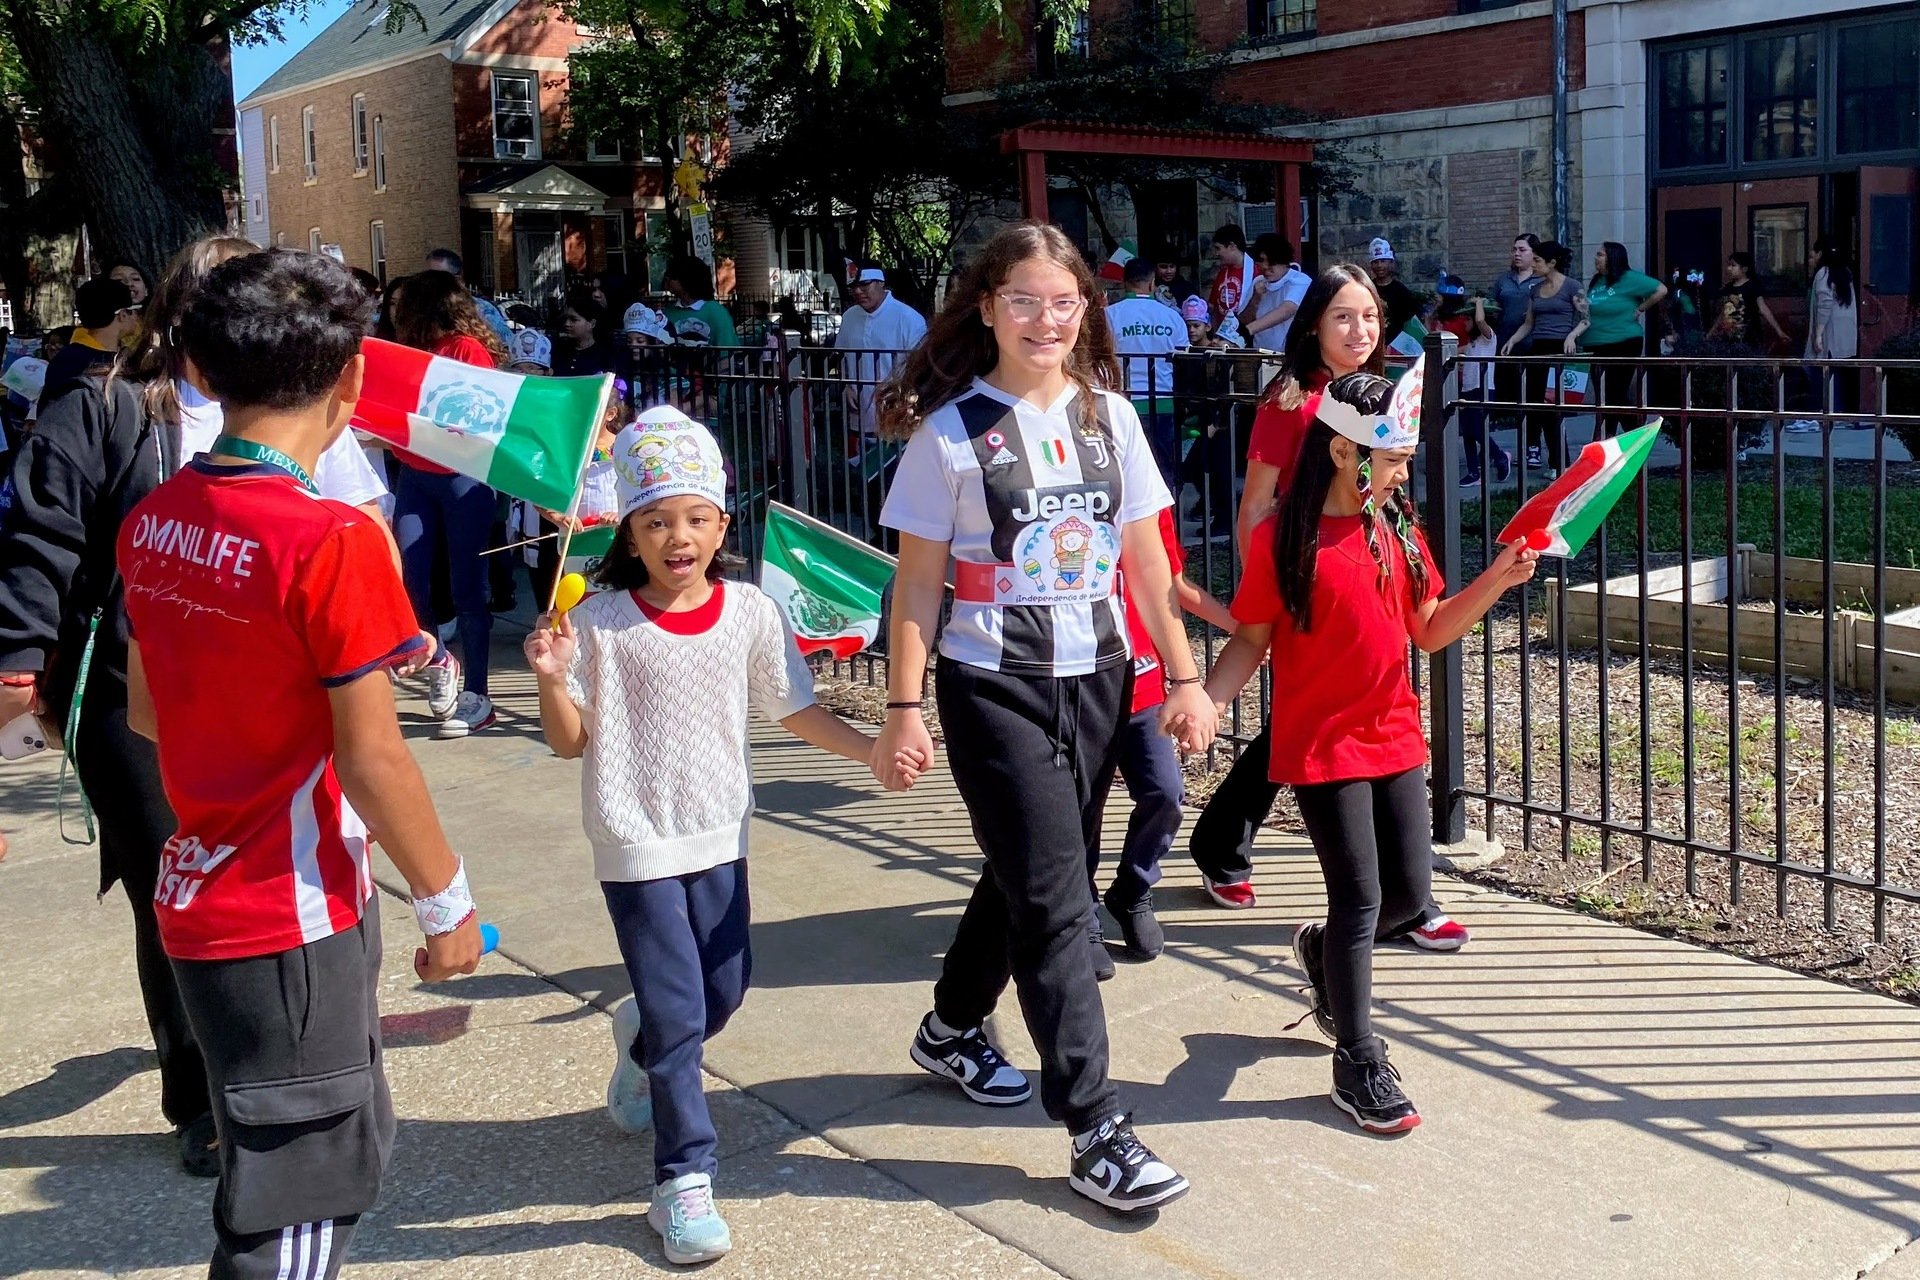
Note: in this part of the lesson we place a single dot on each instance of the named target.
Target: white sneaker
(691, 1229)
(472, 713)
(629, 1096)
(443, 684)
(1801, 426)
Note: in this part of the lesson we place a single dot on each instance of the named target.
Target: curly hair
(960, 345)
(433, 306)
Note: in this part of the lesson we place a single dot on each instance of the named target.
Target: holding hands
(903, 751)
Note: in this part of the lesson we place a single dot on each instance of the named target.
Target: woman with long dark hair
(1617, 299)
(1336, 585)
(437, 513)
(1833, 328)
(1024, 467)
(1556, 320)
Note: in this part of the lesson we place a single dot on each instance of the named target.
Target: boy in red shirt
(240, 579)
(1150, 767)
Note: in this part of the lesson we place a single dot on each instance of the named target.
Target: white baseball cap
(1382, 250)
(643, 319)
(530, 346)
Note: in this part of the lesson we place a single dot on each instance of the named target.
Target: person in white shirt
(1032, 481)
(1278, 288)
(1146, 333)
(881, 328)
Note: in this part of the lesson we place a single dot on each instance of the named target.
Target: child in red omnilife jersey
(239, 575)
(1150, 767)
(1338, 583)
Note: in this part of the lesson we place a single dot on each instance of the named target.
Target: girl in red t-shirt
(1337, 584)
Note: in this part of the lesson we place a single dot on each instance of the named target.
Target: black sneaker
(1536, 457)
(1308, 942)
(1138, 925)
(1115, 1169)
(1367, 1087)
(973, 1064)
(200, 1147)
(1102, 958)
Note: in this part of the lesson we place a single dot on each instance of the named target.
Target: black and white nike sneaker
(1367, 1087)
(1309, 946)
(1114, 1168)
(973, 1064)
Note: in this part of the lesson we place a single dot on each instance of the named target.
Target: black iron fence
(1717, 693)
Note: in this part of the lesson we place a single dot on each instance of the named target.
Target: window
(1054, 59)
(1165, 21)
(1782, 85)
(1482, 6)
(1877, 88)
(379, 155)
(360, 140)
(603, 148)
(312, 151)
(1778, 235)
(273, 144)
(279, 239)
(516, 129)
(257, 208)
(377, 248)
(1693, 106)
(1282, 19)
(313, 240)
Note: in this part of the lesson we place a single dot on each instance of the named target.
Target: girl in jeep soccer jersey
(1034, 478)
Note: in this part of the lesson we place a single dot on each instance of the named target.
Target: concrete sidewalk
(1598, 1102)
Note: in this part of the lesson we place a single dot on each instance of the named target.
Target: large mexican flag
(1564, 516)
(527, 437)
(828, 583)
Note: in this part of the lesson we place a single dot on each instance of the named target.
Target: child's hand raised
(1516, 563)
(550, 646)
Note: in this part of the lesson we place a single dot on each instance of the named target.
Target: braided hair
(1296, 549)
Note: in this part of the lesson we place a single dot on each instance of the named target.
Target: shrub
(1667, 389)
(1903, 389)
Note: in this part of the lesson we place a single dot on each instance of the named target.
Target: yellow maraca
(573, 589)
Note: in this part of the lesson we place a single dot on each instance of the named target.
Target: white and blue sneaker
(691, 1229)
(629, 1096)
(971, 1062)
(1114, 1168)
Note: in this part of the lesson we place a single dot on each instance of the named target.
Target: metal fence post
(1446, 695)
(789, 428)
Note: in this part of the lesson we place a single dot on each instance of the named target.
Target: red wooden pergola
(1031, 144)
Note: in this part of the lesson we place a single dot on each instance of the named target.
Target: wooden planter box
(1752, 576)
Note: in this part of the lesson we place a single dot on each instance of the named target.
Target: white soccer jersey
(1032, 504)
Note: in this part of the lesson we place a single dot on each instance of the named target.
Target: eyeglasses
(1028, 309)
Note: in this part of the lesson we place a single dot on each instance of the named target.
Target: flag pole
(579, 475)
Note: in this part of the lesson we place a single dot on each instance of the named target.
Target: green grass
(1905, 983)
(1903, 733)
(1852, 519)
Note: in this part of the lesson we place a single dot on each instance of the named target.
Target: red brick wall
(1335, 18)
(532, 27)
(990, 58)
(473, 112)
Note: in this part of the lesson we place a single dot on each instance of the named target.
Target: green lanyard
(252, 451)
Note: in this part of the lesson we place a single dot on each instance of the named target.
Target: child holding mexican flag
(650, 681)
(1336, 584)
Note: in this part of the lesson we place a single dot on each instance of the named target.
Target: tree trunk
(14, 275)
(141, 138)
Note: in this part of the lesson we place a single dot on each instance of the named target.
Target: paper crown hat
(1397, 428)
(530, 346)
(666, 454)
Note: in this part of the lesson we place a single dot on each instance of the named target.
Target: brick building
(1694, 129)
(388, 144)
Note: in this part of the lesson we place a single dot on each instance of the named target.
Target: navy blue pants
(684, 940)
(450, 516)
(1151, 769)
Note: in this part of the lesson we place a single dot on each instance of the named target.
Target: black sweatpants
(1222, 839)
(1376, 853)
(1033, 759)
(292, 1042)
(120, 773)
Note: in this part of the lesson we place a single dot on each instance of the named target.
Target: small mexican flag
(828, 583)
(527, 437)
(1564, 516)
(1410, 341)
(1115, 267)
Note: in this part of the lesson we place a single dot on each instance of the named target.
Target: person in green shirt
(698, 321)
(1617, 298)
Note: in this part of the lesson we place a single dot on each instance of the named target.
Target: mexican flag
(828, 583)
(527, 437)
(1564, 516)
(1115, 267)
(1410, 341)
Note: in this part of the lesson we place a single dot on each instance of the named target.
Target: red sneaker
(1440, 934)
(1234, 897)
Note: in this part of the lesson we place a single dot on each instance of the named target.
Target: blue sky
(253, 64)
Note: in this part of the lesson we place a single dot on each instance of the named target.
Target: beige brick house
(389, 144)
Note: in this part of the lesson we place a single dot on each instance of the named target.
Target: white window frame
(273, 144)
(613, 237)
(313, 240)
(377, 248)
(279, 239)
(504, 148)
(310, 145)
(379, 154)
(603, 149)
(256, 208)
(362, 141)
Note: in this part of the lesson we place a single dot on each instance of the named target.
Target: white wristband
(448, 909)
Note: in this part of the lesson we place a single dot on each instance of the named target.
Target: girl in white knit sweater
(651, 682)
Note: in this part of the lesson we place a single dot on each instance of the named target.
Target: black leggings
(1376, 853)
(1616, 383)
